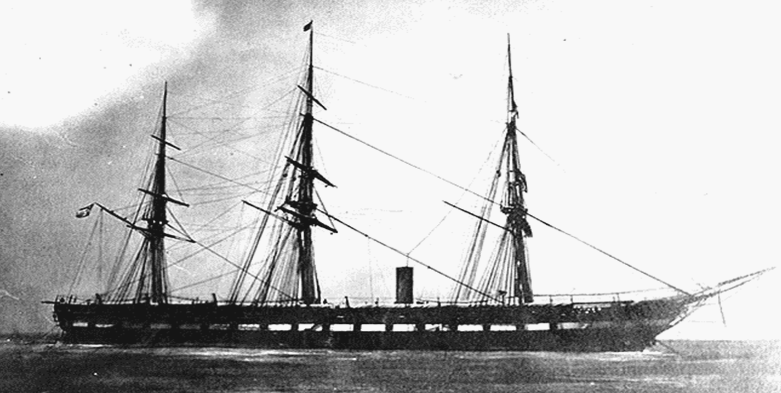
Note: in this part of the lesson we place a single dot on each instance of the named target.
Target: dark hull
(627, 326)
(582, 340)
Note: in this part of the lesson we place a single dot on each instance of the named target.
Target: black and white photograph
(390, 196)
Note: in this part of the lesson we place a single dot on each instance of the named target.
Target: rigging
(487, 199)
(408, 256)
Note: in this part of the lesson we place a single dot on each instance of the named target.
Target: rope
(494, 202)
(202, 281)
(611, 256)
(597, 293)
(247, 272)
(539, 148)
(451, 210)
(218, 176)
(224, 144)
(83, 257)
(367, 84)
(408, 256)
(401, 160)
(226, 99)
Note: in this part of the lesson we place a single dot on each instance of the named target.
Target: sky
(653, 123)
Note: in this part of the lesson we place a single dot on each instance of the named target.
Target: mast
(515, 209)
(153, 279)
(305, 206)
(156, 216)
(146, 279)
(507, 270)
(288, 271)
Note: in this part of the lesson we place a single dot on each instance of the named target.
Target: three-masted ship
(495, 311)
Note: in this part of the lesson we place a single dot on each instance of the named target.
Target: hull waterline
(626, 326)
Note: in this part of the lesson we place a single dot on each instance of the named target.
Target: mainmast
(303, 207)
(514, 207)
(310, 291)
(289, 268)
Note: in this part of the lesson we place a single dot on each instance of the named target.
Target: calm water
(697, 367)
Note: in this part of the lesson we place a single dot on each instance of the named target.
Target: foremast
(506, 277)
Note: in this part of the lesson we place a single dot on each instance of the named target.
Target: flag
(84, 211)
(308, 26)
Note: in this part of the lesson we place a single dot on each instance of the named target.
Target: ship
(279, 304)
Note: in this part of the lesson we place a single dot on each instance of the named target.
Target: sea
(41, 365)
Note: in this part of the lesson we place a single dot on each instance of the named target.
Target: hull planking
(618, 326)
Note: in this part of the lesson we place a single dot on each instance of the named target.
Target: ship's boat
(275, 299)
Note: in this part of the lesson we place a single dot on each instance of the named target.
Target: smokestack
(403, 285)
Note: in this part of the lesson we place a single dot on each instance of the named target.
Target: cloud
(67, 58)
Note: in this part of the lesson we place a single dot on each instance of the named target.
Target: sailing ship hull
(585, 340)
(145, 316)
(612, 327)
